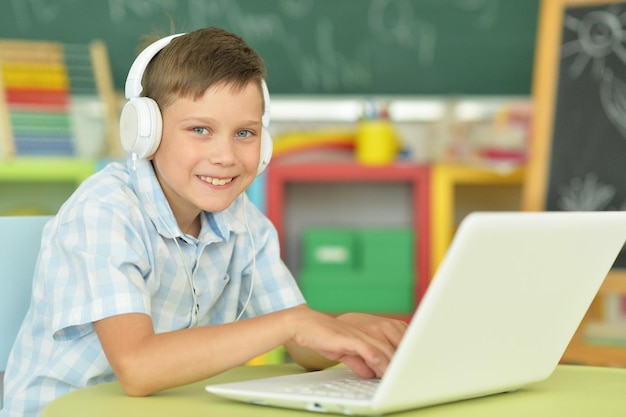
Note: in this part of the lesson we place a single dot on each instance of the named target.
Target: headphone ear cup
(266, 151)
(141, 126)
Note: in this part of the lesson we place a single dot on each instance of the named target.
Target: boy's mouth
(216, 181)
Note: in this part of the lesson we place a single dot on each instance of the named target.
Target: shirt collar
(215, 226)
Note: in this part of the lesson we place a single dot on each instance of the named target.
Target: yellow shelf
(445, 182)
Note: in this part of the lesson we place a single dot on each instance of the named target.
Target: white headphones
(141, 124)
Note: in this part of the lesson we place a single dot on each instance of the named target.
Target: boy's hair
(192, 63)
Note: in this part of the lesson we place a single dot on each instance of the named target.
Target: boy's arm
(146, 362)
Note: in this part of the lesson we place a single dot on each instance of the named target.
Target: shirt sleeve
(94, 262)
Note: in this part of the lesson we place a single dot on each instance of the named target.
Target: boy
(146, 270)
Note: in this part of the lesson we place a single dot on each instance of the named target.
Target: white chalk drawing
(600, 33)
(613, 99)
(586, 194)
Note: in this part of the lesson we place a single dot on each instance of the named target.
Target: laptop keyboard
(360, 389)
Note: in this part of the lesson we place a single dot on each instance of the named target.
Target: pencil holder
(376, 142)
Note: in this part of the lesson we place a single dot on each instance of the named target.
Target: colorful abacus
(45, 88)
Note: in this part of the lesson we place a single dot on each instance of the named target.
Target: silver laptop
(498, 315)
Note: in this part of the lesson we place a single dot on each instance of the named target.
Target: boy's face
(209, 151)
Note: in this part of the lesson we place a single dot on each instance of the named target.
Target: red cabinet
(300, 195)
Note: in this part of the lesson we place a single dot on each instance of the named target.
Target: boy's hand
(381, 328)
(363, 342)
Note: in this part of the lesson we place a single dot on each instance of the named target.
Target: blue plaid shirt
(111, 250)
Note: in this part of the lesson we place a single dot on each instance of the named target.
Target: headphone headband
(133, 87)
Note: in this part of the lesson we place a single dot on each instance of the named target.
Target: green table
(571, 391)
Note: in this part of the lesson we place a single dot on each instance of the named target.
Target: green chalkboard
(319, 46)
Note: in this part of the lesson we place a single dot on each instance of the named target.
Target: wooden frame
(106, 91)
(544, 90)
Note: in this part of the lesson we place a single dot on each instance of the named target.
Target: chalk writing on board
(313, 46)
(487, 11)
(121, 10)
(323, 66)
(25, 11)
(403, 28)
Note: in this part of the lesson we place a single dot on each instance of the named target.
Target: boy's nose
(221, 151)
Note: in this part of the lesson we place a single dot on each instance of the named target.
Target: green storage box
(348, 293)
(387, 254)
(366, 270)
(329, 249)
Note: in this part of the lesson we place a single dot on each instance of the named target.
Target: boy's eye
(200, 130)
(243, 133)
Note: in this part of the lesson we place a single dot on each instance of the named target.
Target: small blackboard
(578, 160)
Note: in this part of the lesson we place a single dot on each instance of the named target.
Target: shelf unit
(40, 185)
(460, 189)
(317, 191)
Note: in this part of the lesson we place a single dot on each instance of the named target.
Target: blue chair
(20, 239)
